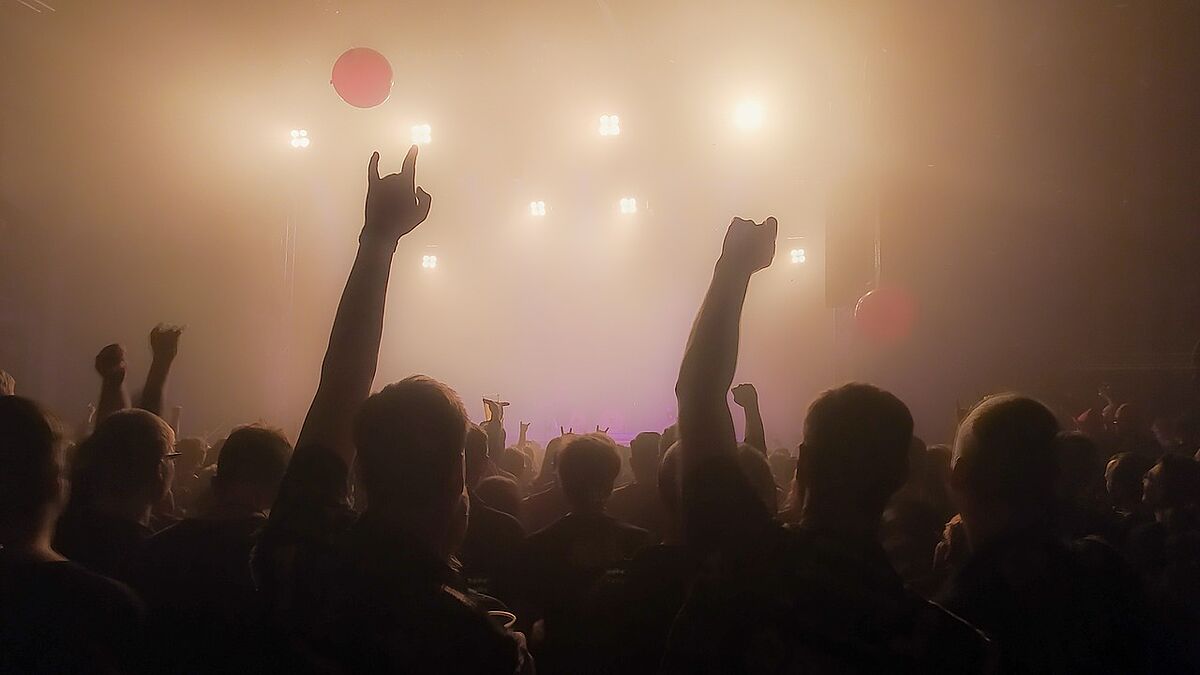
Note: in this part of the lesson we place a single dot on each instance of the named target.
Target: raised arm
(523, 439)
(746, 396)
(394, 208)
(8, 387)
(164, 344)
(110, 364)
(717, 500)
(494, 428)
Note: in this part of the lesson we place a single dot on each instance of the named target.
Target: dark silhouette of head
(1188, 428)
(549, 470)
(501, 493)
(1123, 479)
(1173, 483)
(193, 454)
(670, 467)
(644, 455)
(855, 454)
(783, 467)
(1005, 466)
(475, 453)
(252, 466)
(669, 436)
(124, 467)
(410, 438)
(757, 471)
(1080, 471)
(587, 466)
(1128, 421)
(514, 462)
(33, 489)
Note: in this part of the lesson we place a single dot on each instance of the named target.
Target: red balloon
(362, 77)
(885, 315)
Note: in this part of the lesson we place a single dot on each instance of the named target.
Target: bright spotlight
(628, 205)
(300, 138)
(610, 125)
(748, 115)
(429, 262)
(537, 208)
(422, 134)
(798, 256)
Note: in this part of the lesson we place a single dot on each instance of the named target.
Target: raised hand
(495, 409)
(164, 341)
(395, 206)
(745, 395)
(749, 247)
(601, 431)
(8, 386)
(110, 363)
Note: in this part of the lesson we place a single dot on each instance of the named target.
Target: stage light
(610, 125)
(537, 208)
(748, 115)
(300, 138)
(422, 134)
(429, 262)
(628, 205)
(798, 256)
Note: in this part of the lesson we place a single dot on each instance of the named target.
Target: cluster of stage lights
(747, 116)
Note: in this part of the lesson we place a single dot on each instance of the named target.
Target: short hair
(750, 461)
(856, 443)
(1004, 452)
(122, 456)
(1079, 467)
(587, 467)
(193, 452)
(513, 461)
(1178, 480)
(1123, 476)
(644, 455)
(669, 468)
(501, 493)
(758, 475)
(476, 445)
(254, 454)
(30, 458)
(410, 438)
(668, 438)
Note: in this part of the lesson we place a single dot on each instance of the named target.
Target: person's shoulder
(632, 533)
(948, 642)
(543, 495)
(496, 522)
(550, 532)
(474, 631)
(96, 589)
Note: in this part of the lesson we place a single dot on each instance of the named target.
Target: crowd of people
(397, 535)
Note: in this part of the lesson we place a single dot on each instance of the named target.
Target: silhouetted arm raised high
(394, 208)
(717, 500)
(164, 344)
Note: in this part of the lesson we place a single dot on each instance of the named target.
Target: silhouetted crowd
(397, 535)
